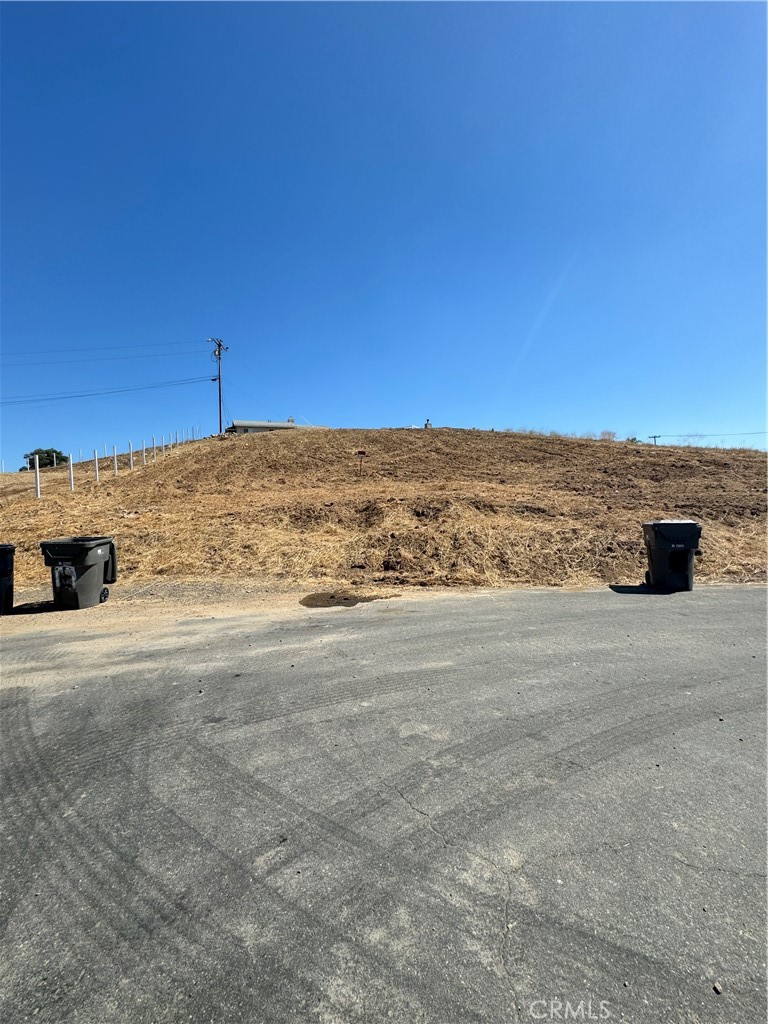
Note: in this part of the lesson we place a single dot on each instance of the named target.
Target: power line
(45, 399)
(742, 433)
(102, 359)
(121, 348)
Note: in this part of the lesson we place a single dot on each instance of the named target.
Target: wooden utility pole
(218, 348)
(654, 436)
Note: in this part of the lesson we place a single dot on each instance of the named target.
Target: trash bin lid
(7, 547)
(663, 522)
(89, 542)
(61, 547)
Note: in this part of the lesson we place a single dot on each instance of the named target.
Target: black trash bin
(671, 545)
(80, 566)
(7, 552)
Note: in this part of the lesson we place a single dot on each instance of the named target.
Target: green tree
(45, 457)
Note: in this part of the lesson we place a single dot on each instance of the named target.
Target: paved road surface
(450, 809)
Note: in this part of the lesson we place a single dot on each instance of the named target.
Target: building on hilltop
(263, 426)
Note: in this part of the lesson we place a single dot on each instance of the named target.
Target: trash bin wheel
(647, 579)
(103, 595)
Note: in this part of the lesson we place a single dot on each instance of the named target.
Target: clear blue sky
(492, 215)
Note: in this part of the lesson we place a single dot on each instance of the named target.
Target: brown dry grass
(439, 507)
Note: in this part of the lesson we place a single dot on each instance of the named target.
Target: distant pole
(143, 452)
(71, 473)
(105, 452)
(54, 460)
(177, 437)
(81, 456)
(37, 477)
(154, 449)
(114, 458)
(2, 466)
(654, 436)
(218, 348)
(162, 443)
(130, 454)
(96, 464)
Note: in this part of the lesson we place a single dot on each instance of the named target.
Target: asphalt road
(450, 809)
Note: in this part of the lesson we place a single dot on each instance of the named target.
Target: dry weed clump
(440, 507)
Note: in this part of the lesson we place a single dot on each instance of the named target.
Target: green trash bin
(7, 552)
(80, 566)
(671, 545)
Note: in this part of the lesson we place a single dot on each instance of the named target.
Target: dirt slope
(445, 507)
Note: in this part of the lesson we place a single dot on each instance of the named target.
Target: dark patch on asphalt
(327, 600)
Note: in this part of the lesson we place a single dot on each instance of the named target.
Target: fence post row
(190, 436)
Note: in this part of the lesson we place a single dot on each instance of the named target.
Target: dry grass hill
(434, 507)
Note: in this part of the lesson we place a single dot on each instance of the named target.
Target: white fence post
(143, 452)
(162, 444)
(81, 455)
(37, 476)
(114, 458)
(96, 464)
(154, 449)
(71, 473)
(54, 460)
(130, 454)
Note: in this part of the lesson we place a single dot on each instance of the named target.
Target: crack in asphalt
(499, 871)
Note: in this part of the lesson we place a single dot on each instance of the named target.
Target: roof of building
(272, 424)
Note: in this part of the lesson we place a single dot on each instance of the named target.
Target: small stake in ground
(37, 476)
(114, 458)
(71, 473)
(96, 464)
(143, 452)
(360, 457)
(130, 454)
